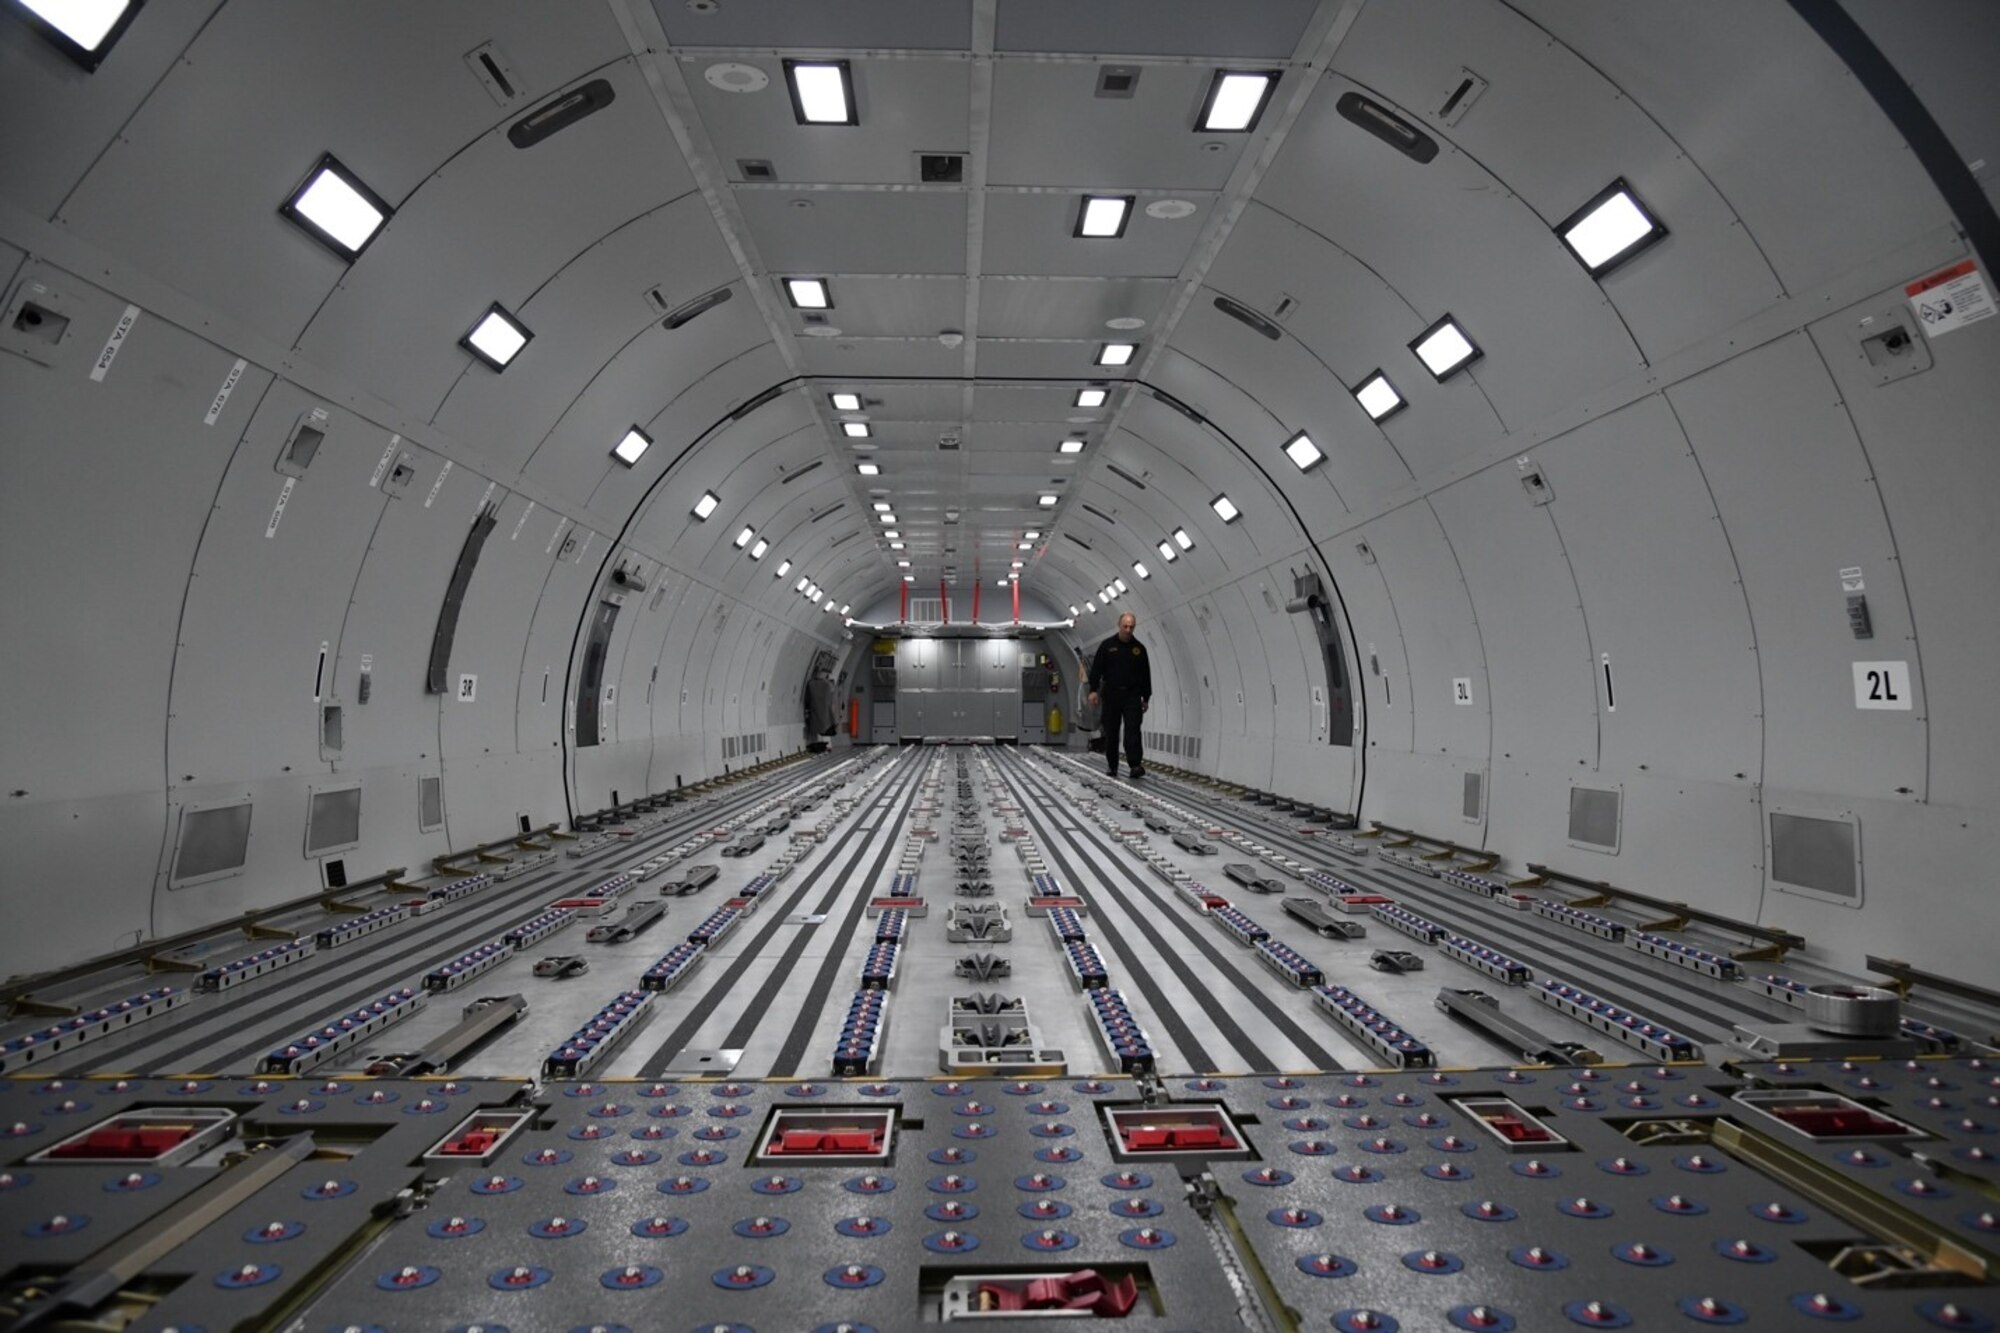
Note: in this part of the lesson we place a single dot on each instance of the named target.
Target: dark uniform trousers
(1122, 676)
(1122, 712)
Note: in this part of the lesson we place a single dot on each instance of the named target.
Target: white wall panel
(1440, 635)
(1390, 710)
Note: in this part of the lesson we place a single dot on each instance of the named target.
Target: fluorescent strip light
(868, 469)
(854, 430)
(1305, 455)
(844, 608)
(1090, 606)
(1015, 564)
(1024, 546)
(1378, 397)
(1104, 215)
(1070, 447)
(1091, 398)
(1033, 534)
(757, 551)
(1140, 570)
(1116, 354)
(909, 578)
(336, 208)
(999, 583)
(896, 546)
(635, 443)
(1610, 229)
(497, 338)
(706, 505)
(1168, 553)
(1047, 501)
(809, 293)
(883, 506)
(822, 92)
(1182, 540)
(802, 585)
(902, 564)
(83, 29)
(1236, 100)
(1073, 611)
(892, 535)
(846, 402)
(745, 537)
(784, 568)
(1224, 510)
(1121, 585)
(1444, 348)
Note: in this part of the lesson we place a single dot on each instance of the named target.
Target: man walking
(1122, 675)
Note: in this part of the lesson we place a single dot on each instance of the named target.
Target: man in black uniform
(1123, 675)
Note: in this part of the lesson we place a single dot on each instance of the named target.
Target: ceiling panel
(893, 401)
(854, 231)
(887, 307)
(1034, 233)
(1268, 28)
(1050, 360)
(1010, 402)
(1051, 128)
(905, 107)
(801, 24)
(1074, 308)
(849, 357)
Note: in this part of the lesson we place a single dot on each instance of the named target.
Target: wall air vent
(1071, 536)
(1595, 818)
(1178, 406)
(1236, 310)
(1387, 126)
(767, 396)
(756, 169)
(941, 168)
(833, 508)
(494, 73)
(1124, 476)
(1117, 80)
(565, 111)
(791, 477)
(687, 312)
(1095, 512)
(214, 842)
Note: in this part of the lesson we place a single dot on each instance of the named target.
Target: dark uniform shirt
(1122, 668)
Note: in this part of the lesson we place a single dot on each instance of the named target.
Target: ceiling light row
(823, 94)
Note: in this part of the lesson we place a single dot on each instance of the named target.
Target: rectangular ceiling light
(822, 92)
(1073, 611)
(1103, 215)
(1378, 397)
(706, 505)
(902, 564)
(745, 537)
(886, 517)
(1305, 455)
(1024, 546)
(784, 568)
(868, 469)
(1070, 447)
(1121, 585)
(1046, 501)
(1224, 510)
(635, 443)
(1444, 348)
(1140, 570)
(883, 506)
(846, 402)
(83, 30)
(896, 546)
(854, 430)
(909, 578)
(757, 551)
(1092, 397)
(1168, 553)
(893, 535)
(335, 208)
(1015, 564)
(1116, 354)
(1182, 540)
(1033, 534)
(497, 338)
(1236, 99)
(802, 585)
(845, 608)
(809, 293)
(1610, 229)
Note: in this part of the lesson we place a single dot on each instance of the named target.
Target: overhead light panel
(1224, 510)
(909, 578)
(902, 564)
(336, 209)
(1033, 534)
(1103, 215)
(1610, 229)
(844, 608)
(706, 505)
(896, 546)
(1073, 611)
(497, 338)
(802, 585)
(1168, 553)
(883, 506)
(1444, 348)
(83, 30)
(1116, 354)
(822, 92)
(1378, 397)
(809, 293)
(1014, 564)
(1305, 455)
(999, 583)
(855, 430)
(893, 535)
(869, 469)
(784, 568)
(1024, 546)
(1236, 99)
(1092, 397)
(635, 443)
(757, 551)
(1121, 585)
(846, 402)
(1047, 501)
(1140, 570)
(1182, 540)
(745, 537)
(1070, 447)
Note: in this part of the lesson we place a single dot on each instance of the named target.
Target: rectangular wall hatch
(829, 1135)
(162, 1136)
(1195, 1131)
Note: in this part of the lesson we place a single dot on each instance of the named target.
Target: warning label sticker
(1951, 298)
